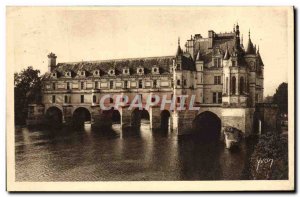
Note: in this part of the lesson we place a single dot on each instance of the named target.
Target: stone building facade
(226, 78)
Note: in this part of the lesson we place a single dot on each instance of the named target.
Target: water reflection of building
(226, 78)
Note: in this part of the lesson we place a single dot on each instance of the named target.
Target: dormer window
(111, 72)
(126, 71)
(54, 75)
(217, 62)
(155, 70)
(140, 71)
(96, 73)
(68, 74)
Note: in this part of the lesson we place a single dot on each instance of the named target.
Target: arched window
(242, 84)
(233, 84)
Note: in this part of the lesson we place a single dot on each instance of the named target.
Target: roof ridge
(119, 59)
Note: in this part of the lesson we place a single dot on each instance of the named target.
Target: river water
(88, 155)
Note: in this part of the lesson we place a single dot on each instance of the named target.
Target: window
(96, 72)
(125, 84)
(68, 86)
(217, 80)
(233, 63)
(140, 83)
(82, 85)
(178, 82)
(219, 62)
(184, 82)
(233, 84)
(215, 62)
(219, 97)
(94, 99)
(226, 85)
(241, 85)
(154, 83)
(82, 98)
(53, 86)
(66, 99)
(96, 85)
(82, 73)
(214, 97)
(53, 99)
(111, 84)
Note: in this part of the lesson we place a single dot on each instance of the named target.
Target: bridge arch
(207, 126)
(54, 116)
(81, 115)
(138, 115)
(116, 117)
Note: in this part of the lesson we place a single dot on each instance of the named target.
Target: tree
(269, 160)
(268, 99)
(281, 97)
(27, 89)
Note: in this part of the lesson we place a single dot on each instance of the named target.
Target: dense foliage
(281, 97)
(27, 89)
(270, 158)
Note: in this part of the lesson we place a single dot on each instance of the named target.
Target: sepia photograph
(150, 98)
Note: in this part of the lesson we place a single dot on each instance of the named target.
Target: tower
(251, 60)
(51, 61)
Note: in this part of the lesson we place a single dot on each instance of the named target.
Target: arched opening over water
(165, 120)
(54, 117)
(81, 116)
(116, 117)
(207, 126)
(140, 116)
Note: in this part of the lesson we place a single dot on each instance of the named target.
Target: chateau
(226, 78)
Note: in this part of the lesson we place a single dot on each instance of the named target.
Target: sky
(99, 33)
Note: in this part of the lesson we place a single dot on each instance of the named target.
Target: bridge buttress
(182, 121)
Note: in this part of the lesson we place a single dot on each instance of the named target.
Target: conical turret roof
(179, 50)
(250, 48)
(259, 57)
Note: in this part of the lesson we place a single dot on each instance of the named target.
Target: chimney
(51, 61)
(211, 35)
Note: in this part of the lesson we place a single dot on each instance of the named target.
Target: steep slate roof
(163, 63)
(221, 43)
(187, 62)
